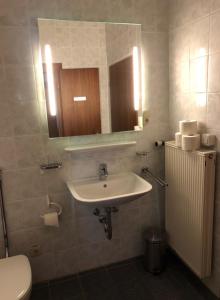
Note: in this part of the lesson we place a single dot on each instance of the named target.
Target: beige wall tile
(198, 74)
(147, 19)
(26, 118)
(42, 9)
(86, 227)
(90, 256)
(111, 251)
(69, 9)
(215, 5)
(29, 151)
(93, 10)
(121, 10)
(66, 262)
(213, 110)
(214, 33)
(21, 83)
(15, 45)
(66, 236)
(6, 119)
(25, 213)
(7, 153)
(26, 183)
(155, 47)
(55, 181)
(13, 12)
(162, 20)
(43, 267)
(20, 240)
(184, 11)
(180, 44)
(199, 39)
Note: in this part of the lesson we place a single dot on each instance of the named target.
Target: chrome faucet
(103, 171)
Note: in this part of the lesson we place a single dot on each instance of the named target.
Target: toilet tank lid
(15, 277)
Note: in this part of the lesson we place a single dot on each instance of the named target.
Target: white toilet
(15, 278)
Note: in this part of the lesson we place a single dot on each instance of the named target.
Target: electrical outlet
(35, 250)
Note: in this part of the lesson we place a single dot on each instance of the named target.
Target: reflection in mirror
(92, 76)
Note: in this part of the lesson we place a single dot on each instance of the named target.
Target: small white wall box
(208, 140)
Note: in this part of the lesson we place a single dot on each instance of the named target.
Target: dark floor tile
(107, 295)
(40, 293)
(127, 281)
(179, 271)
(124, 274)
(67, 289)
(139, 265)
(160, 287)
(40, 285)
(99, 278)
(175, 282)
(202, 290)
(127, 278)
(124, 262)
(136, 290)
(98, 285)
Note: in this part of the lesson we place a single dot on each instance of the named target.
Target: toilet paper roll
(188, 127)
(178, 139)
(51, 219)
(191, 142)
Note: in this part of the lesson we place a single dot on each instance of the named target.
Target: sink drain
(105, 218)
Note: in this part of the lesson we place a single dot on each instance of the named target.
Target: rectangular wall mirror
(92, 77)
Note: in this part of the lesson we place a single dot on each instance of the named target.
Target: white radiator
(189, 205)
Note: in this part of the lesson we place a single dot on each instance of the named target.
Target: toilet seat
(15, 277)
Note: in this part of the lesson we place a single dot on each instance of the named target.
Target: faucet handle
(103, 171)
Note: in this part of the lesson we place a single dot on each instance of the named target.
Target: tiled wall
(79, 243)
(195, 82)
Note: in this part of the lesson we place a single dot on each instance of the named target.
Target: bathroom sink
(115, 190)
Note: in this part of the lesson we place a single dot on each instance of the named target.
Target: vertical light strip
(136, 79)
(50, 81)
(143, 84)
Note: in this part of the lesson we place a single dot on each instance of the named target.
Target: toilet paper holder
(58, 207)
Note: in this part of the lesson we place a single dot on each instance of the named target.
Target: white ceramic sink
(114, 191)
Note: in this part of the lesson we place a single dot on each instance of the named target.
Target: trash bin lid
(155, 235)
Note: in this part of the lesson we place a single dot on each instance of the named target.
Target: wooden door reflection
(75, 117)
(123, 115)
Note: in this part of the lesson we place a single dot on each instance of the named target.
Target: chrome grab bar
(160, 181)
(53, 165)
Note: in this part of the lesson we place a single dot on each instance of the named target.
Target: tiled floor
(126, 281)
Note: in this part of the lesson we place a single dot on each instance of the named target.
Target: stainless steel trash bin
(154, 258)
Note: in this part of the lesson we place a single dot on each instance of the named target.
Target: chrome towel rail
(146, 171)
(53, 165)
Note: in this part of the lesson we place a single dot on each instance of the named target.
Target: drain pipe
(108, 223)
(105, 218)
(4, 224)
